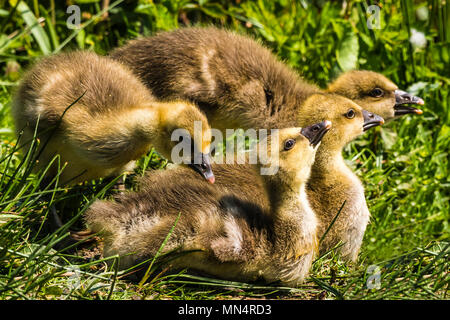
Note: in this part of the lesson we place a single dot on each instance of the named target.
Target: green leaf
(36, 29)
(214, 10)
(81, 36)
(347, 53)
(388, 136)
(367, 40)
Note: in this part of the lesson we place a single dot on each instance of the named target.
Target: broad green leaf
(388, 136)
(347, 53)
(36, 29)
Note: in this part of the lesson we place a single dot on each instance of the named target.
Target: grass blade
(147, 273)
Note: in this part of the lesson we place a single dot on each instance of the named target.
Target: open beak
(315, 132)
(204, 168)
(371, 120)
(402, 98)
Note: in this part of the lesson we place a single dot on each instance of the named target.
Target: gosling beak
(315, 132)
(402, 98)
(204, 167)
(371, 120)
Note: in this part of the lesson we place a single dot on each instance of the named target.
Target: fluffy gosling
(239, 83)
(115, 121)
(331, 182)
(228, 238)
(375, 93)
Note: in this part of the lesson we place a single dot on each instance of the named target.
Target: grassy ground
(404, 165)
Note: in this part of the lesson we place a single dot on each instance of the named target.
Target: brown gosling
(331, 181)
(239, 83)
(375, 93)
(229, 239)
(115, 121)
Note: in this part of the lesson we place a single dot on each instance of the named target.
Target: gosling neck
(294, 222)
(328, 162)
(287, 196)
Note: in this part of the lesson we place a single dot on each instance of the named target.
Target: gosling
(375, 93)
(331, 182)
(225, 237)
(239, 83)
(98, 117)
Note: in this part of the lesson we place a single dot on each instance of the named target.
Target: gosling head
(375, 93)
(349, 119)
(295, 152)
(190, 134)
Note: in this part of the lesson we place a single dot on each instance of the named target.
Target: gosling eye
(376, 93)
(289, 144)
(350, 114)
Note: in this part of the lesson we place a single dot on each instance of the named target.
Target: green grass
(404, 165)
